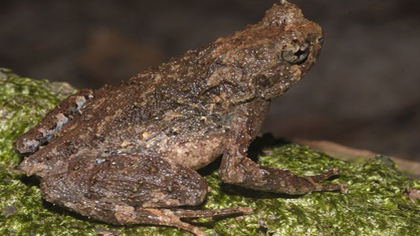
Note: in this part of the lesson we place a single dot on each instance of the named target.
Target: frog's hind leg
(236, 168)
(131, 190)
(53, 121)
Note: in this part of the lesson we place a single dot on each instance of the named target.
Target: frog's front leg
(236, 168)
(132, 190)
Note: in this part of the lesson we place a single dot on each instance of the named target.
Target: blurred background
(364, 91)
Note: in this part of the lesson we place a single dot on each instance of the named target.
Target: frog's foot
(132, 190)
(322, 177)
(42, 133)
(236, 168)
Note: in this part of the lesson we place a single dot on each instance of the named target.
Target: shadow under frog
(129, 154)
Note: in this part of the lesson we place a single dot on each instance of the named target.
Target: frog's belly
(196, 154)
(192, 150)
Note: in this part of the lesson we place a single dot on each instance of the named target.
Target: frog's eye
(295, 53)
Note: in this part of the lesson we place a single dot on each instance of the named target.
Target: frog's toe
(326, 175)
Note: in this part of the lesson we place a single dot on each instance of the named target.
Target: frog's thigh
(237, 168)
(126, 180)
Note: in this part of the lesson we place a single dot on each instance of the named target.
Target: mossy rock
(376, 203)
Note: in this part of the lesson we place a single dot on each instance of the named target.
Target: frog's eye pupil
(296, 53)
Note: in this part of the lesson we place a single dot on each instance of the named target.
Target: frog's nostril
(295, 53)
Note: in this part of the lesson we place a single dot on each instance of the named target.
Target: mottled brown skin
(128, 154)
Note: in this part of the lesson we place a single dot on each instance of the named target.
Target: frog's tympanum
(129, 154)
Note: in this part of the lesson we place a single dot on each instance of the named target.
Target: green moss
(374, 205)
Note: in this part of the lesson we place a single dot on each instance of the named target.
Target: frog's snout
(296, 53)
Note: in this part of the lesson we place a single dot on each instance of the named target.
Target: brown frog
(128, 154)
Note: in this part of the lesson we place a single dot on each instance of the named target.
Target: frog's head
(292, 45)
(275, 53)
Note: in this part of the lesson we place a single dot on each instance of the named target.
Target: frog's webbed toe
(42, 133)
(131, 190)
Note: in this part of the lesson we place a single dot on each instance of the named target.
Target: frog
(129, 154)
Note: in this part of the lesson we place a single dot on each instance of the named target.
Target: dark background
(364, 92)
